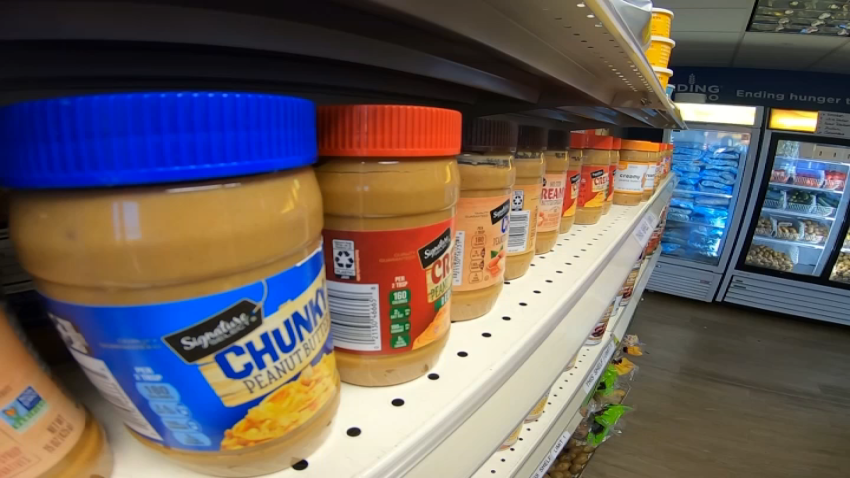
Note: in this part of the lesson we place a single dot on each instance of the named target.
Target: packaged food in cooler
(814, 232)
(731, 156)
(841, 271)
(774, 198)
(669, 248)
(711, 201)
(801, 201)
(731, 169)
(682, 203)
(721, 189)
(715, 184)
(686, 187)
(812, 178)
(779, 176)
(686, 167)
(677, 216)
(721, 162)
(770, 258)
(825, 205)
(689, 176)
(834, 180)
(688, 181)
(711, 211)
(764, 226)
(788, 230)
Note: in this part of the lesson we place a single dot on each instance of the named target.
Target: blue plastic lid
(144, 138)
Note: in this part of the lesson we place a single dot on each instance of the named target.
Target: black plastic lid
(531, 138)
(559, 140)
(485, 135)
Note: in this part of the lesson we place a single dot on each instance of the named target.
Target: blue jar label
(221, 372)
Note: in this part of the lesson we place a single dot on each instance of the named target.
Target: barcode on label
(518, 231)
(355, 315)
(100, 376)
(457, 271)
(599, 366)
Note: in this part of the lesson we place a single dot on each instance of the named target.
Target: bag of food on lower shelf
(604, 424)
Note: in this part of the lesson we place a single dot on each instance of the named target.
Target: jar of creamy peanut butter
(390, 186)
(554, 188)
(487, 176)
(530, 165)
(176, 238)
(43, 433)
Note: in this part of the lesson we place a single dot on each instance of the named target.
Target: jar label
(594, 186)
(551, 202)
(571, 195)
(630, 177)
(480, 242)
(389, 291)
(221, 372)
(522, 226)
(40, 425)
(649, 184)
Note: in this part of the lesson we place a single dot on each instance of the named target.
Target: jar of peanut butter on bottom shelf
(390, 186)
(578, 142)
(487, 177)
(593, 191)
(188, 281)
(530, 165)
(554, 188)
(44, 433)
(651, 183)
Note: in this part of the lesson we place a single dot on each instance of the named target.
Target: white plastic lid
(664, 40)
(662, 71)
(664, 11)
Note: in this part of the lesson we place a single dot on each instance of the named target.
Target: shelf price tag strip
(553, 454)
(645, 227)
(599, 366)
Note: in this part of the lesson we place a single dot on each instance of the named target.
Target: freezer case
(794, 256)
(712, 163)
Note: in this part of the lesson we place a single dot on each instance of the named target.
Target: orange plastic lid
(618, 143)
(388, 130)
(600, 142)
(633, 145)
(578, 140)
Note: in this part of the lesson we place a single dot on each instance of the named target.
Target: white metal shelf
(805, 188)
(791, 212)
(773, 240)
(541, 438)
(455, 418)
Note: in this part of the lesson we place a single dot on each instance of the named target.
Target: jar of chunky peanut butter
(176, 238)
(390, 185)
(595, 175)
(530, 165)
(487, 177)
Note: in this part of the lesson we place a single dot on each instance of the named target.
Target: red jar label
(388, 291)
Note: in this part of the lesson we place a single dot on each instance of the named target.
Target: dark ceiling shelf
(481, 57)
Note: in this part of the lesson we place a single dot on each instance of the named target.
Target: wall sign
(833, 124)
(774, 88)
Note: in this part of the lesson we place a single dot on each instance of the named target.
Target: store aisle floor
(727, 392)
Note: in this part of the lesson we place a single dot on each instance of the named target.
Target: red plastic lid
(618, 143)
(578, 140)
(600, 142)
(388, 130)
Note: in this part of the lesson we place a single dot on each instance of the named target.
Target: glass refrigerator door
(708, 164)
(800, 210)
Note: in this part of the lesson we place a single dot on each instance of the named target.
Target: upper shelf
(547, 60)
